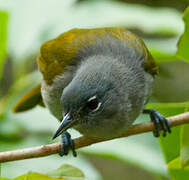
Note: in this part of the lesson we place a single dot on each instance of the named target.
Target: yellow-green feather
(29, 100)
(59, 53)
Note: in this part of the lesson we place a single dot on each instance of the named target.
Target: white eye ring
(99, 103)
(91, 98)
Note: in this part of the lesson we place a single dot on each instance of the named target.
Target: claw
(155, 119)
(67, 143)
(159, 121)
(72, 145)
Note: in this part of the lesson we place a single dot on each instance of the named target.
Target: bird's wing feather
(29, 100)
(60, 52)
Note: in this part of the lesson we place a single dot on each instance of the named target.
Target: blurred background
(32, 22)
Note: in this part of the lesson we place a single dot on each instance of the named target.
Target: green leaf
(33, 176)
(176, 170)
(3, 38)
(171, 144)
(183, 43)
(67, 170)
(169, 109)
(161, 56)
(184, 151)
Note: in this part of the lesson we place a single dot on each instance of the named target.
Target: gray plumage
(111, 71)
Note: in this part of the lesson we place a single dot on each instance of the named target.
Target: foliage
(68, 171)
(184, 152)
(65, 172)
(3, 38)
(31, 176)
(160, 29)
(184, 40)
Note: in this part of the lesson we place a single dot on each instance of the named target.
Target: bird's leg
(67, 143)
(159, 121)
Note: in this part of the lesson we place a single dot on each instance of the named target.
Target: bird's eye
(93, 103)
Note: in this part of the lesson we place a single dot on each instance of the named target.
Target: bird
(96, 81)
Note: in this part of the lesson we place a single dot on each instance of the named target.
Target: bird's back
(75, 44)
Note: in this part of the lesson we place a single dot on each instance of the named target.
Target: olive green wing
(136, 43)
(29, 100)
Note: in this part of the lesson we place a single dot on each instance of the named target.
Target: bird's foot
(67, 143)
(159, 122)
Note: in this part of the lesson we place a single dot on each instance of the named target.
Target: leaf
(67, 170)
(161, 56)
(36, 176)
(170, 141)
(183, 43)
(169, 109)
(33, 176)
(3, 37)
(184, 151)
(176, 170)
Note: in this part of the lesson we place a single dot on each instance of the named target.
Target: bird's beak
(66, 123)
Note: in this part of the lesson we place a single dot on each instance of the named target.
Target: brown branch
(49, 149)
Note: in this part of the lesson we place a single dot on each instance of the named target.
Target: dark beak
(66, 123)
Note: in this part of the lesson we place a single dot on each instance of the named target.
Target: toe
(164, 123)
(167, 125)
(65, 144)
(72, 145)
(156, 122)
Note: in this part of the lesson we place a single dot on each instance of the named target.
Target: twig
(50, 149)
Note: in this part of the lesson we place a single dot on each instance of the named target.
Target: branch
(83, 141)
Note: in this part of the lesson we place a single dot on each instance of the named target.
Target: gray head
(96, 97)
